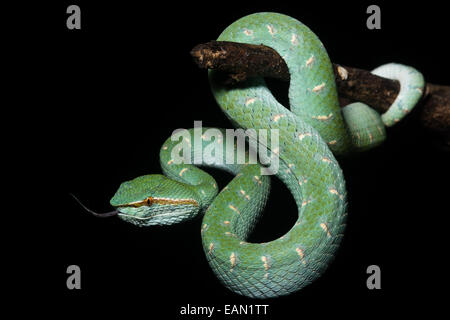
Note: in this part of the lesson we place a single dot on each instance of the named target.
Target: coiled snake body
(309, 133)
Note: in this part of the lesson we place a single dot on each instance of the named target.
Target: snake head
(155, 200)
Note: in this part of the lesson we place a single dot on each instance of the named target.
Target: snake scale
(311, 133)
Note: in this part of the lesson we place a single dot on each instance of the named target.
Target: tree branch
(241, 61)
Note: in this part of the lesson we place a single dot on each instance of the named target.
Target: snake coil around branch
(240, 61)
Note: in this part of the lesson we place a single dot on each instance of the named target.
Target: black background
(112, 92)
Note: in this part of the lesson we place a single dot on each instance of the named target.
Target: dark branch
(241, 61)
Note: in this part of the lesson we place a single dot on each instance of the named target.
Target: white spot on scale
(246, 195)
(271, 29)
(250, 101)
(183, 171)
(301, 254)
(170, 162)
(325, 159)
(233, 260)
(332, 142)
(234, 208)
(165, 148)
(328, 117)
(304, 203)
(318, 87)
(334, 191)
(258, 180)
(303, 135)
(310, 61)
(265, 262)
(277, 117)
(325, 228)
(343, 73)
(211, 247)
(248, 32)
(294, 39)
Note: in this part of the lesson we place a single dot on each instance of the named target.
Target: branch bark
(241, 61)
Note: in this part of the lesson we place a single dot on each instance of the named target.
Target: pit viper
(311, 132)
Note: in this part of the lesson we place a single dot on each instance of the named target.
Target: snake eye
(149, 201)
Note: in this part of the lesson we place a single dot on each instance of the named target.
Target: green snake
(311, 132)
